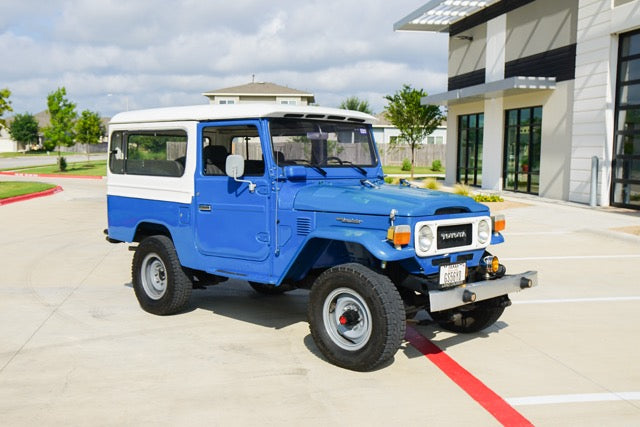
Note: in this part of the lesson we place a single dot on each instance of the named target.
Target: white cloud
(148, 53)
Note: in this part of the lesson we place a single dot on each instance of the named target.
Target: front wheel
(356, 317)
(160, 283)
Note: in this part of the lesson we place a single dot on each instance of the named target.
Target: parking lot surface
(75, 348)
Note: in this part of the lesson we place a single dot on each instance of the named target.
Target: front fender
(375, 241)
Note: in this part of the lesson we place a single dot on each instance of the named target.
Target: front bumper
(480, 291)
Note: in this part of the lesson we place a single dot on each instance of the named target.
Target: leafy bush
(406, 165)
(388, 179)
(62, 164)
(432, 184)
(488, 198)
(436, 166)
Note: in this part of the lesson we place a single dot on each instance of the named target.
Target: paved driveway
(75, 348)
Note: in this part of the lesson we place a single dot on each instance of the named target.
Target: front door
(232, 223)
(523, 141)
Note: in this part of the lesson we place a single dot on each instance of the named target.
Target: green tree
(63, 114)
(5, 105)
(24, 129)
(414, 120)
(89, 129)
(356, 104)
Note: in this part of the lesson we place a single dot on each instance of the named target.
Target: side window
(220, 141)
(155, 152)
(116, 153)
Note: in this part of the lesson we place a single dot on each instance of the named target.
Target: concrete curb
(30, 196)
(50, 175)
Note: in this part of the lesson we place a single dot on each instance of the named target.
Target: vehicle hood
(380, 200)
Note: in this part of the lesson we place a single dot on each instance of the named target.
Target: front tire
(160, 284)
(356, 317)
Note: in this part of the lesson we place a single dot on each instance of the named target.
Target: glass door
(523, 139)
(470, 130)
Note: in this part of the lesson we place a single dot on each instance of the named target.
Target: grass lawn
(32, 154)
(17, 188)
(418, 170)
(93, 168)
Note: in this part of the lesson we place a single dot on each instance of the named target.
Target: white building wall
(599, 24)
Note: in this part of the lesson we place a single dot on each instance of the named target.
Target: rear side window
(155, 152)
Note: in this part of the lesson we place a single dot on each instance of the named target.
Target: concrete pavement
(75, 348)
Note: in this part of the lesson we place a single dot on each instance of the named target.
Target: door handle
(204, 208)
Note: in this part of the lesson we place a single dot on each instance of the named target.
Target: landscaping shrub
(432, 184)
(62, 164)
(488, 198)
(406, 165)
(436, 166)
(462, 190)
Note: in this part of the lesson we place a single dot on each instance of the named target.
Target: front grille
(453, 236)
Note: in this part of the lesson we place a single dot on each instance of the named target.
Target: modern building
(536, 90)
(261, 92)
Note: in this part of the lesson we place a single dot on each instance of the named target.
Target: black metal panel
(453, 236)
(467, 79)
(485, 15)
(559, 63)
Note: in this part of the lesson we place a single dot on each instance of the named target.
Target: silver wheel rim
(153, 276)
(352, 336)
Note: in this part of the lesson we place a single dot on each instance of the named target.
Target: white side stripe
(573, 398)
(566, 300)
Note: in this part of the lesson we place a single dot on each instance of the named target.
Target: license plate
(453, 274)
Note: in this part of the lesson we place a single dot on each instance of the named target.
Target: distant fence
(82, 148)
(424, 156)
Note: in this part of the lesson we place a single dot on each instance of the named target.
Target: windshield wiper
(363, 171)
(313, 166)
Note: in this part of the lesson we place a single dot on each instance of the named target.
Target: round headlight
(425, 238)
(484, 231)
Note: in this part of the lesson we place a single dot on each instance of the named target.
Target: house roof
(438, 15)
(259, 89)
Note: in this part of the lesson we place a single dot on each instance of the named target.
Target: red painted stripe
(24, 197)
(487, 398)
(50, 175)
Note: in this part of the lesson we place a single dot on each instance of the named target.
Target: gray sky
(110, 54)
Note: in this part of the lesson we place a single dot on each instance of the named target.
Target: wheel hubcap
(154, 277)
(347, 319)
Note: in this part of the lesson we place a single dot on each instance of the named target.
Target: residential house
(261, 92)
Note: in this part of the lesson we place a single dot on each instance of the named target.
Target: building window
(523, 138)
(626, 163)
(470, 130)
(226, 101)
(288, 101)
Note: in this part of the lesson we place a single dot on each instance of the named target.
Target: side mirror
(235, 168)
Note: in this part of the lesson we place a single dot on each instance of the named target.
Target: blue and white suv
(291, 197)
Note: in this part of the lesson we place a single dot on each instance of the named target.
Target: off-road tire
(372, 296)
(159, 281)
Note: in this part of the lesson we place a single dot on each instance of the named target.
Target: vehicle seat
(214, 158)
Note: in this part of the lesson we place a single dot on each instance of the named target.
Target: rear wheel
(160, 284)
(356, 317)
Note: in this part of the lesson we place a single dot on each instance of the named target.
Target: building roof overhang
(511, 86)
(438, 15)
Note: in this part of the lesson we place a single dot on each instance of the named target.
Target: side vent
(303, 226)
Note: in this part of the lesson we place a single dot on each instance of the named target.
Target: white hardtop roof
(238, 111)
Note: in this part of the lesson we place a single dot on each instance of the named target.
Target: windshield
(322, 143)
